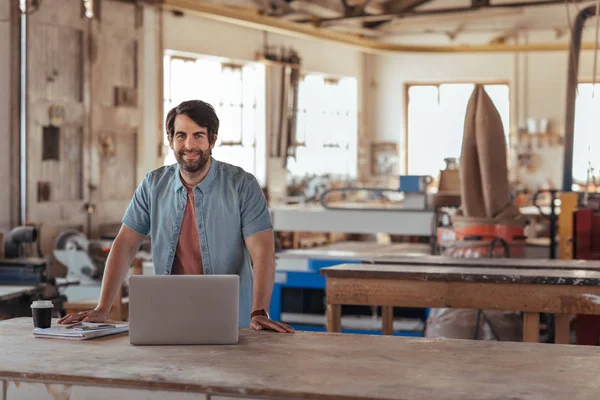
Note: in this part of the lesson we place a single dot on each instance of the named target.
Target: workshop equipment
(552, 217)
(25, 274)
(84, 259)
(488, 224)
(579, 226)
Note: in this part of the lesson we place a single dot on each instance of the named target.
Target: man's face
(190, 144)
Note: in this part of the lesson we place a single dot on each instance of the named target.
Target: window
(586, 142)
(237, 92)
(436, 118)
(326, 127)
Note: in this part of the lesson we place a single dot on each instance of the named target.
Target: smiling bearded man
(204, 217)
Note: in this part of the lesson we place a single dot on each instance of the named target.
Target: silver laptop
(183, 309)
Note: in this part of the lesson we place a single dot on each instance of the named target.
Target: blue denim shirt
(230, 207)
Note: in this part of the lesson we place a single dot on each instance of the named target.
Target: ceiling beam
(400, 6)
(264, 23)
(436, 11)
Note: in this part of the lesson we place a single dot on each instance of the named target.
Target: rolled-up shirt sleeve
(137, 215)
(253, 209)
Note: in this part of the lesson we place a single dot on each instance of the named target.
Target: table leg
(561, 328)
(334, 317)
(387, 320)
(531, 327)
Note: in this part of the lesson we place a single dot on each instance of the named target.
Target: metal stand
(552, 216)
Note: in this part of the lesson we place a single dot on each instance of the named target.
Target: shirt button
(171, 250)
(176, 228)
(166, 272)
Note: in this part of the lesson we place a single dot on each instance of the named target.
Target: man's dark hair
(198, 111)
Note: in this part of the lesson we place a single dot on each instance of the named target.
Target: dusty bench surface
(8, 292)
(464, 274)
(526, 263)
(354, 250)
(310, 365)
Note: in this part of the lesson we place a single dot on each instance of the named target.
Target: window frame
(585, 81)
(330, 78)
(408, 85)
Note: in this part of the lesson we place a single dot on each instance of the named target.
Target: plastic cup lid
(42, 304)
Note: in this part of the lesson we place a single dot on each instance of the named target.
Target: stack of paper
(87, 330)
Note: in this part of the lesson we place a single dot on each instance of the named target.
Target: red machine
(586, 246)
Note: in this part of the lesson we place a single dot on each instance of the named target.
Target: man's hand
(95, 315)
(260, 322)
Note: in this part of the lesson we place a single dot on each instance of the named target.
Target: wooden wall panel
(55, 63)
(76, 64)
(56, 81)
(114, 67)
(118, 19)
(118, 175)
(65, 175)
(60, 13)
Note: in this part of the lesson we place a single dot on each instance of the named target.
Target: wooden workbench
(562, 292)
(525, 263)
(8, 292)
(419, 254)
(356, 250)
(303, 365)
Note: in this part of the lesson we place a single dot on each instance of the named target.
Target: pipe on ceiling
(572, 81)
(253, 19)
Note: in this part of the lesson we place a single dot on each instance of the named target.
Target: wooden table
(303, 365)
(525, 263)
(562, 292)
(8, 292)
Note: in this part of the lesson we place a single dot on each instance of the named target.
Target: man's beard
(193, 166)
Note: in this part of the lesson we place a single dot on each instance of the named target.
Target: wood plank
(334, 318)
(486, 296)
(55, 79)
(387, 320)
(19, 390)
(55, 63)
(64, 13)
(459, 274)
(562, 328)
(118, 179)
(529, 263)
(114, 64)
(531, 327)
(325, 366)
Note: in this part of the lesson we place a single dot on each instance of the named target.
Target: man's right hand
(95, 315)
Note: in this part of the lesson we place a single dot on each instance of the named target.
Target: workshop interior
(381, 132)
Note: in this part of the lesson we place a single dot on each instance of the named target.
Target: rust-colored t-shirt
(188, 259)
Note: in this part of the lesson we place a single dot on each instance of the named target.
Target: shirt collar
(206, 182)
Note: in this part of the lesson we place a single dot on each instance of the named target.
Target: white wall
(197, 35)
(204, 36)
(537, 81)
(5, 112)
(392, 73)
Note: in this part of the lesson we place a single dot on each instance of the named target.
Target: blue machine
(312, 279)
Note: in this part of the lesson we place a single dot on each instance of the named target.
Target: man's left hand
(260, 322)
